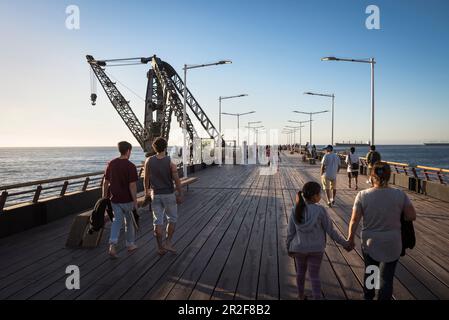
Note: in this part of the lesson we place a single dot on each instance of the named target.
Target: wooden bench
(185, 182)
(79, 232)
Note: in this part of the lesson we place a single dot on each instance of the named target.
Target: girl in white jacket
(306, 239)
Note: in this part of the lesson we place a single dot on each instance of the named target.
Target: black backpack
(97, 216)
(407, 234)
(374, 157)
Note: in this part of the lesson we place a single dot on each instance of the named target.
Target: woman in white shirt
(352, 161)
(380, 209)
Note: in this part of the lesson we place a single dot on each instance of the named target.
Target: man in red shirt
(120, 186)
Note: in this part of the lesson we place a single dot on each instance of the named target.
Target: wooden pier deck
(231, 245)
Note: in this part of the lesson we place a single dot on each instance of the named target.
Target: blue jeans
(164, 205)
(122, 211)
(387, 270)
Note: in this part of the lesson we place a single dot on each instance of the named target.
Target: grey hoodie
(310, 236)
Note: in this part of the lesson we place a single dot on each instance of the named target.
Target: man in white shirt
(352, 161)
(330, 165)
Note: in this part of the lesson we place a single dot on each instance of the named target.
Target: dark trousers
(387, 270)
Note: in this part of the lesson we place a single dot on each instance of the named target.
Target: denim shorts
(164, 205)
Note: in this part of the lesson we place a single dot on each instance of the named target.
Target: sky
(276, 50)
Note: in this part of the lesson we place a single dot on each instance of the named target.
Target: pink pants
(312, 261)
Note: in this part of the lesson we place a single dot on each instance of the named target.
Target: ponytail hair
(299, 208)
(309, 190)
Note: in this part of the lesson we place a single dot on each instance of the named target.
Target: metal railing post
(86, 183)
(37, 194)
(3, 198)
(440, 177)
(64, 188)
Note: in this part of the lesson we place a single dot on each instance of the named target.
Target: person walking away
(372, 157)
(308, 225)
(330, 165)
(314, 154)
(380, 208)
(120, 184)
(352, 161)
(160, 173)
(268, 154)
(306, 148)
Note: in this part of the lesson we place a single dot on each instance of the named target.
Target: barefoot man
(160, 172)
(119, 185)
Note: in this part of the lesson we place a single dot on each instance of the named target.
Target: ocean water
(19, 165)
(431, 156)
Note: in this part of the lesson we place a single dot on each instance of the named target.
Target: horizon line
(137, 146)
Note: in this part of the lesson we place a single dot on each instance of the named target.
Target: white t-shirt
(331, 163)
(381, 209)
(350, 159)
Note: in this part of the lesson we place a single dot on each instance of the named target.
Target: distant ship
(446, 144)
(352, 144)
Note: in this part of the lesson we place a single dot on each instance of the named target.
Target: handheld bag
(407, 234)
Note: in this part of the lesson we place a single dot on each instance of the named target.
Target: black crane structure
(163, 97)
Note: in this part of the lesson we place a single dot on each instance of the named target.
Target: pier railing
(32, 192)
(419, 172)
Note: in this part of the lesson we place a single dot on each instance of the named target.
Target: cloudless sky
(275, 47)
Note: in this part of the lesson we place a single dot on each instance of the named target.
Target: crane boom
(162, 96)
(120, 104)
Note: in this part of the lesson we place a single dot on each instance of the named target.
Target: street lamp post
(255, 135)
(294, 134)
(219, 121)
(333, 103)
(300, 131)
(249, 127)
(184, 109)
(372, 62)
(238, 121)
(311, 114)
(288, 132)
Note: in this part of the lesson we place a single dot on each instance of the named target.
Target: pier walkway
(231, 245)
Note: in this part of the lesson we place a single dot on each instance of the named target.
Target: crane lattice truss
(163, 97)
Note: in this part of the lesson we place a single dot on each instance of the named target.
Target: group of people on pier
(120, 186)
(379, 208)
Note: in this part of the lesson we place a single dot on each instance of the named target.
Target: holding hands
(349, 246)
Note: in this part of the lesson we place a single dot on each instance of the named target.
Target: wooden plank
(349, 282)
(287, 270)
(206, 284)
(268, 284)
(228, 281)
(183, 287)
(249, 275)
(210, 235)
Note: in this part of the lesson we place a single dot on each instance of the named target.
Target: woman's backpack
(354, 165)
